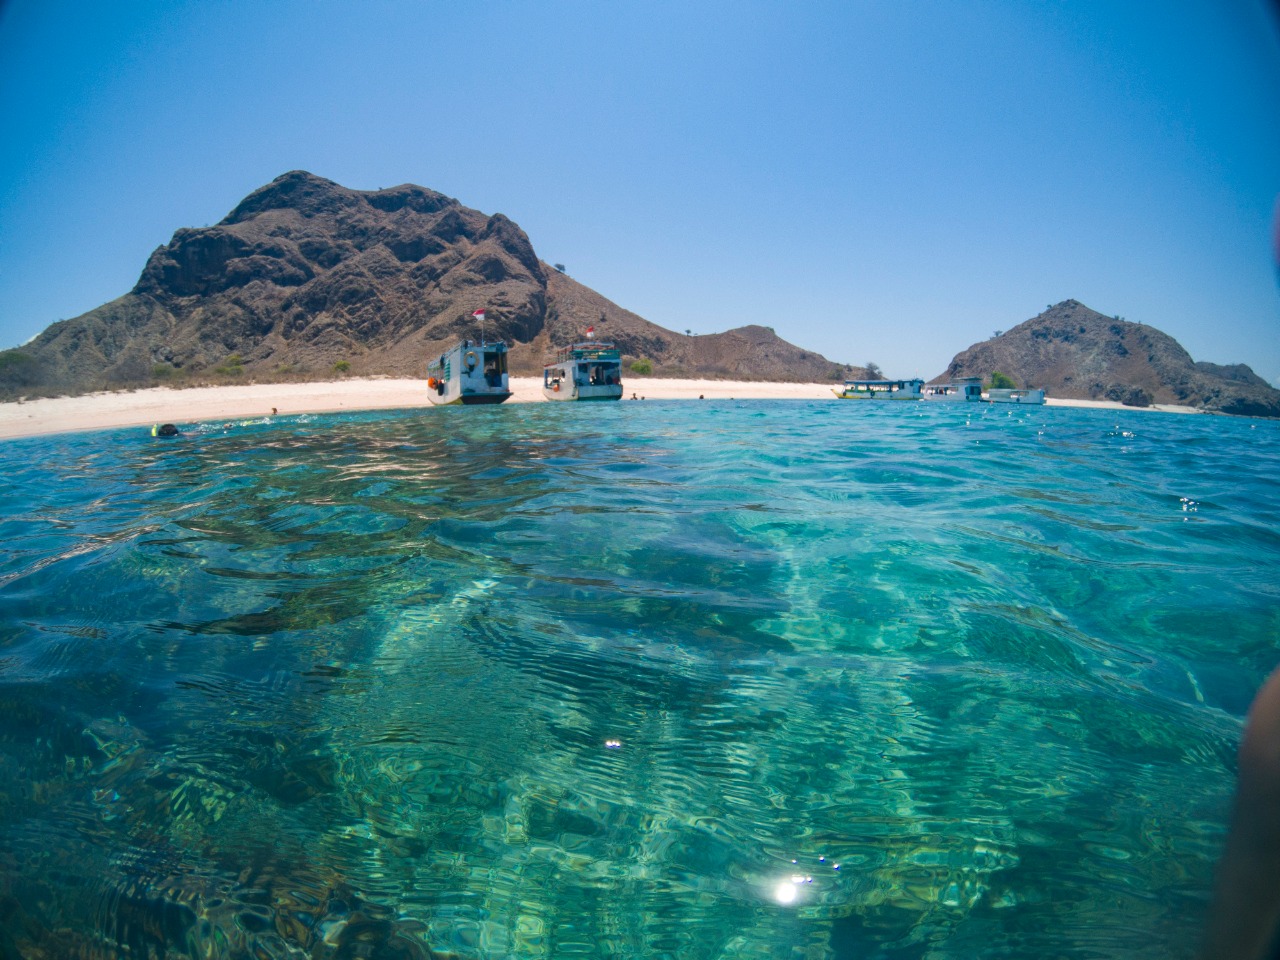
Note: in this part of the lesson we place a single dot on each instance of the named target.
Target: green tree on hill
(1001, 382)
(233, 366)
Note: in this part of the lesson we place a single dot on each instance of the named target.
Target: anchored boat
(584, 371)
(1001, 395)
(967, 390)
(880, 390)
(469, 373)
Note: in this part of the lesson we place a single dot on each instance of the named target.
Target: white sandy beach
(100, 411)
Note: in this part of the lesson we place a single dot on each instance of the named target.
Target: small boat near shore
(469, 373)
(880, 390)
(966, 390)
(1002, 395)
(584, 371)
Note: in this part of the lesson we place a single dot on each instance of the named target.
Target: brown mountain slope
(1076, 353)
(302, 275)
(746, 353)
(306, 277)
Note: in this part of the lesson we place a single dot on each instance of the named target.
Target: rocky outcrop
(1076, 353)
(306, 277)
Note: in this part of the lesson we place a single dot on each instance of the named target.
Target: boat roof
(498, 345)
(594, 350)
(881, 383)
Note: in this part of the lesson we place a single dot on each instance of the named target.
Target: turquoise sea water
(685, 680)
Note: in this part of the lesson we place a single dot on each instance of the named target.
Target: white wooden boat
(469, 373)
(1001, 395)
(584, 371)
(880, 390)
(966, 390)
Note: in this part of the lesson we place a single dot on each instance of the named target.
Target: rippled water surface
(687, 680)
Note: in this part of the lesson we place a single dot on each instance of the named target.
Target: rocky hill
(307, 279)
(1076, 353)
(746, 353)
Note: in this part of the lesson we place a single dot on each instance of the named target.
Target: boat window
(495, 362)
(599, 374)
(495, 366)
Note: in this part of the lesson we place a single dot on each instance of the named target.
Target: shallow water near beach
(687, 680)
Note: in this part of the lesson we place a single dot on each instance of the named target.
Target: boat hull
(873, 396)
(479, 399)
(468, 400)
(579, 394)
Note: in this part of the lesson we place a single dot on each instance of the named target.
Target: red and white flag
(479, 315)
(591, 332)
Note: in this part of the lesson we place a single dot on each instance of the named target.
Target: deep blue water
(686, 680)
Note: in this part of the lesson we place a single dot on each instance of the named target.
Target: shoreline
(142, 408)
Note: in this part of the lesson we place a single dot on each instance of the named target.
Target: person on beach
(1244, 918)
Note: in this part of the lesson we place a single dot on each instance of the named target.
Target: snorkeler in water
(165, 430)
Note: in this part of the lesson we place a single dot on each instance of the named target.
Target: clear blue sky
(884, 180)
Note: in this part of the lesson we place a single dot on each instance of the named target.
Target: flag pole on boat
(479, 315)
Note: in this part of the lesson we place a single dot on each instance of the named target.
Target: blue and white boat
(469, 373)
(584, 371)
